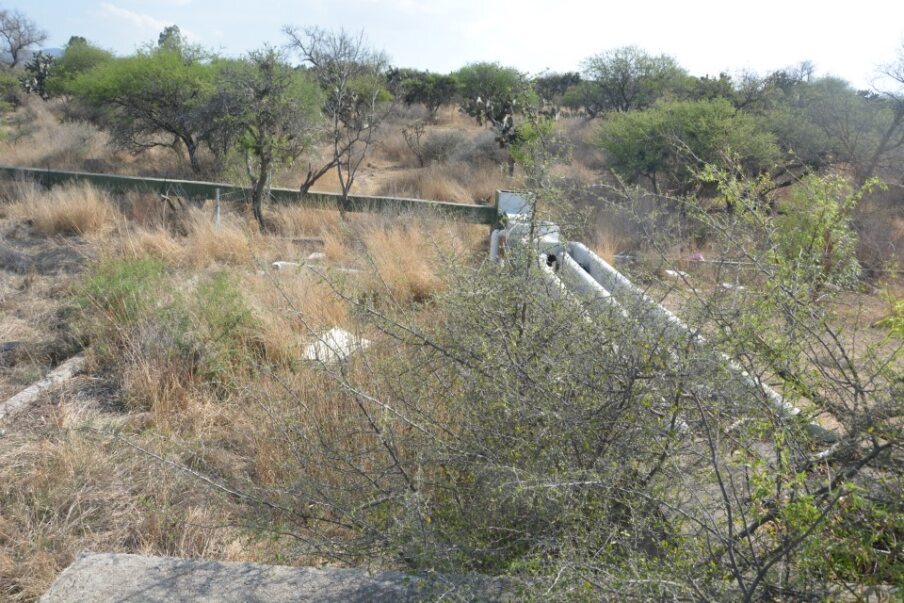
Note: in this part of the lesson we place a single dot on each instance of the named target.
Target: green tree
(433, 90)
(79, 56)
(154, 98)
(274, 111)
(628, 78)
(552, 86)
(551, 89)
(670, 141)
(815, 233)
(586, 96)
(494, 95)
(171, 38)
(37, 73)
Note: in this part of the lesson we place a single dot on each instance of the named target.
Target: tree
(154, 98)
(551, 89)
(668, 142)
(586, 97)
(17, 34)
(171, 38)
(79, 56)
(274, 111)
(494, 95)
(352, 76)
(37, 74)
(552, 86)
(628, 78)
(433, 90)
(860, 129)
(707, 88)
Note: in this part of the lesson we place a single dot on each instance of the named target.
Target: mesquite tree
(351, 76)
(272, 111)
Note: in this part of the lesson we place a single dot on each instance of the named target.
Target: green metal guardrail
(477, 214)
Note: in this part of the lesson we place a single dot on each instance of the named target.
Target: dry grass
(457, 182)
(66, 485)
(69, 489)
(608, 242)
(76, 209)
(40, 139)
(393, 148)
(433, 182)
(879, 221)
(303, 221)
(230, 242)
(406, 259)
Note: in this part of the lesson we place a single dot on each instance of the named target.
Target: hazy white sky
(848, 39)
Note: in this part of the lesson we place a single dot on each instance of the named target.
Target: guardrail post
(217, 221)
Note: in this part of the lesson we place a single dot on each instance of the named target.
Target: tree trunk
(192, 147)
(313, 176)
(257, 194)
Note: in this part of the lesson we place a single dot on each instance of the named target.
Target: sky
(845, 39)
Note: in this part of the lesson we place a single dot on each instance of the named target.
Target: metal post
(217, 221)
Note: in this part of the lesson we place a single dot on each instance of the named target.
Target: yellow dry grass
(68, 210)
(66, 485)
(230, 242)
(608, 242)
(404, 262)
(455, 181)
(303, 221)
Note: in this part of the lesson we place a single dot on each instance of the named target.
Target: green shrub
(670, 141)
(129, 316)
(123, 290)
(894, 322)
(815, 232)
(228, 331)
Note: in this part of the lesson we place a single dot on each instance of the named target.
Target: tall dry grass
(456, 181)
(71, 488)
(77, 209)
(407, 260)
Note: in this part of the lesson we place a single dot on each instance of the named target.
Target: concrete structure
(108, 578)
(603, 288)
(334, 346)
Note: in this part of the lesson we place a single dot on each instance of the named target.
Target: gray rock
(112, 578)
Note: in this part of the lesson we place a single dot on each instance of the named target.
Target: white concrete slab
(334, 346)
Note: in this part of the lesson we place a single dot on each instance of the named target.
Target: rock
(95, 577)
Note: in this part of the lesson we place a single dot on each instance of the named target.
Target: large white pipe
(494, 244)
(620, 287)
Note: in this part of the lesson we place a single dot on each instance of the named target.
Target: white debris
(335, 345)
(63, 372)
(280, 265)
(676, 274)
(320, 268)
(733, 287)
(317, 255)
